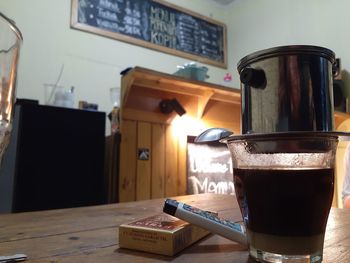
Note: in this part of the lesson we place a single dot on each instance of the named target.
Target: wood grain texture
(143, 173)
(90, 234)
(171, 161)
(158, 161)
(127, 172)
(182, 164)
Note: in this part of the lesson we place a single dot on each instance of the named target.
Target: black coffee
(285, 202)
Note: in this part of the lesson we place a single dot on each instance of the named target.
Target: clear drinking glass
(10, 43)
(284, 187)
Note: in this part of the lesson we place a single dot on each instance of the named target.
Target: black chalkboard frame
(75, 24)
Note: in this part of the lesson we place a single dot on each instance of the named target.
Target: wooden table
(90, 234)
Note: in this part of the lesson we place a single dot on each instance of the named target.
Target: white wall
(260, 24)
(92, 63)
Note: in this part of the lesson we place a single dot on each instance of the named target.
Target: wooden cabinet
(163, 137)
(146, 130)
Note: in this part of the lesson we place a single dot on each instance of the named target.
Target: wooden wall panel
(223, 114)
(127, 175)
(171, 162)
(158, 161)
(343, 126)
(339, 174)
(143, 167)
(182, 152)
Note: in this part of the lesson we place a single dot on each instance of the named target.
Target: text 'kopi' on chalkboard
(154, 24)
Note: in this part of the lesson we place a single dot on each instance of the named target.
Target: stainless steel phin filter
(288, 88)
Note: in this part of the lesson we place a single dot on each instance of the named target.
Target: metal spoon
(212, 135)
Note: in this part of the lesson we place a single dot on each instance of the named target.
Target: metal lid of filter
(286, 50)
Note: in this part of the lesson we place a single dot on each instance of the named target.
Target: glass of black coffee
(284, 187)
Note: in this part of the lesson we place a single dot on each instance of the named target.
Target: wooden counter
(90, 234)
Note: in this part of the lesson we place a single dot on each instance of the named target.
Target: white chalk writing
(202, 162)
(163, 27)
(223, 187)
(105, 14)
(107, 4)
(107, 25)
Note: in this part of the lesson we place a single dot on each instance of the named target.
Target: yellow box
(160, 234)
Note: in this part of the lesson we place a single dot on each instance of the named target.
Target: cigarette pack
(160, 234)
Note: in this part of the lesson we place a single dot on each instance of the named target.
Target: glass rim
(294, 135)
(13, 26)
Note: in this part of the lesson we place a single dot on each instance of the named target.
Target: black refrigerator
(55, 159)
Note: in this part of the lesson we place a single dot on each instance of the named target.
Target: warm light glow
(187, 125)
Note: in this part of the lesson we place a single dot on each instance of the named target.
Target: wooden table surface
(90, 234)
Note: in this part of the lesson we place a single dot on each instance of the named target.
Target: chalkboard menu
(209, 168)
(154, 24)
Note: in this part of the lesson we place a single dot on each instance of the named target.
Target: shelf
(143, 89)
